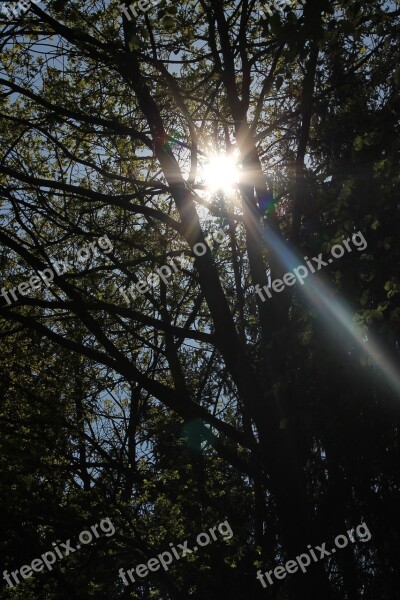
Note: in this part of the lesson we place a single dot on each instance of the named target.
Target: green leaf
(358, 143)
(134, 43)
(168, 21)
(375, 225)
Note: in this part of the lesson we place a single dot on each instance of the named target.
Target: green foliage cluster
(198, 403)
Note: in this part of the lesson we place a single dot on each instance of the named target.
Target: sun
(221, 173)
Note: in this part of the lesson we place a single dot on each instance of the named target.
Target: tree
(197, 398)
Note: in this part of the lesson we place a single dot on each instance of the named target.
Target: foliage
(197, 402)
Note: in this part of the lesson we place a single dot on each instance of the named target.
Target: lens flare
(221, 173)
(337, 314)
